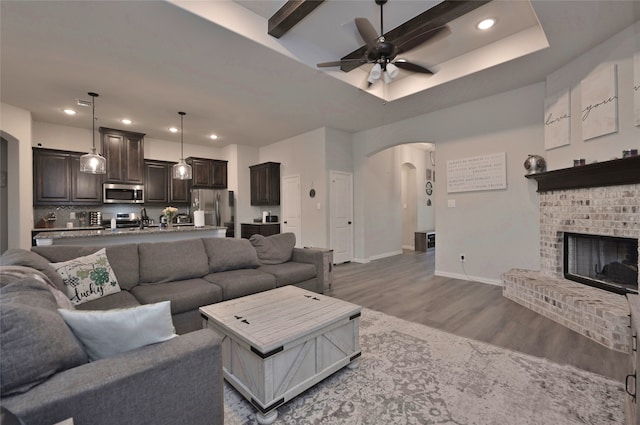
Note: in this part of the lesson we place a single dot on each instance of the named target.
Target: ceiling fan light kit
(383, 53)
(92, 162)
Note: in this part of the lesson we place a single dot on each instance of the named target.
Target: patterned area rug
(413, 374)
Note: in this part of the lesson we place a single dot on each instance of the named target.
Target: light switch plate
(451, 203)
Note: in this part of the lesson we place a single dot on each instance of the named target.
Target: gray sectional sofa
(198, 272)
(175, 381)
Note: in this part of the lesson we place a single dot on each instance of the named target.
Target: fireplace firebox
(605, 262)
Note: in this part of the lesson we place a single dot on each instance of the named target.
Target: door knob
(285, 222)
(348, 222)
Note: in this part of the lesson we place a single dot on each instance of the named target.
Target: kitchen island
(101, 237)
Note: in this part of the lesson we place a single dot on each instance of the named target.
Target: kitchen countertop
(261, 223)
(68, 233)
(61, 229)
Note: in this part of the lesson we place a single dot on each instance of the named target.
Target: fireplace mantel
(608, 173)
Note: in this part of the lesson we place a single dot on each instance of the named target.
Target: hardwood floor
(405, 286)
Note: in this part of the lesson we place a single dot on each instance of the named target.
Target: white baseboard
(359, 260)
(385, 255)
(459, 276)
(376, 257)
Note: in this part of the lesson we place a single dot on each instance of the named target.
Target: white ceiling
(213, 59)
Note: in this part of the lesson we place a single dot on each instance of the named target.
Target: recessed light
(213, 136)
(69, 111)
(485, 24)
(126, 121)
(173, 129)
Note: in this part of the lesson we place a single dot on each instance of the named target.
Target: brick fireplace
(598, 199)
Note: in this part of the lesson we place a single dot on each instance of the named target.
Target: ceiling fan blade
(339, 63)
(432, 36)
(328, 64)
(403, 64)
(367, 32)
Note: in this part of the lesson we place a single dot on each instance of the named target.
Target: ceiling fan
(384, 53)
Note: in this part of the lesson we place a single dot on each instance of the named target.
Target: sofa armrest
(173, 382)
(312, 256)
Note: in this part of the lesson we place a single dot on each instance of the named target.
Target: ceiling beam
(439, 15)
(289, 15)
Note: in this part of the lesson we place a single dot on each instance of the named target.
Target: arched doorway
(408, 184)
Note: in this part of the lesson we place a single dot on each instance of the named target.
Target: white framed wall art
(557, 120)
(600, 103)
(636, 87)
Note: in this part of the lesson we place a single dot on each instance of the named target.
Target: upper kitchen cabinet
(265, 183)
(57, 179)
(124, 152)
(160, 188)
(208, 173)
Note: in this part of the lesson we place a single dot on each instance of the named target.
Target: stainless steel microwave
(122, 193)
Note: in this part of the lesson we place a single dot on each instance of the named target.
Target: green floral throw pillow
(88, 278)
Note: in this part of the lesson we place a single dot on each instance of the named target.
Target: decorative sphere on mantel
(535, 164)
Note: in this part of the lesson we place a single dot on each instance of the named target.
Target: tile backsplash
(63, 213)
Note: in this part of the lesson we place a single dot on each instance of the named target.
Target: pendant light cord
(93, 105)
(93, 122)
(182, 114)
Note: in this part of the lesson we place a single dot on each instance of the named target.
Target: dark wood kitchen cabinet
(124, 152)
(160, 188)
(265, 183)
(264, 229)
(208, 173)
(179, 191)
(57, 179)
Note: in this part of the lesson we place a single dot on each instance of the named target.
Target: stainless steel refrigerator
(217, 205)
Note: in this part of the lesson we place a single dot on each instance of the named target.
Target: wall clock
(428, 188)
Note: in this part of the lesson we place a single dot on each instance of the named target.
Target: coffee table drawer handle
(355, 316)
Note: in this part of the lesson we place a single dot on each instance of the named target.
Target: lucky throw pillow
(88, 278)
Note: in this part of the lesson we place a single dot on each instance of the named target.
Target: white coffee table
(280, 342)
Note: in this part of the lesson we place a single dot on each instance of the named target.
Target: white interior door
(291, 207)
(341, 216)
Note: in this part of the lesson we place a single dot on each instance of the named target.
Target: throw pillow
(36, 342)
(22, 257)
(88, 278)
(109, 332)
(230, 254)
(275, 249)
(9, 274)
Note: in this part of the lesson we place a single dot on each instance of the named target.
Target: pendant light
(92, 162)
(182, 170)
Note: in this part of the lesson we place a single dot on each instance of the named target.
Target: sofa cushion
(238, 283)
(184, 295)
(290, 272)
(123, 259)
(36, 342)
(122, 299)
(274, 249)
(110, 332)
(230, 254)
(88, 278)
(171, 261)
(22, 257)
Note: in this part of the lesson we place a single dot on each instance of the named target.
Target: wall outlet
(462, 257)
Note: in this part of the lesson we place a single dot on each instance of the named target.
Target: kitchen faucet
(143, 217)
